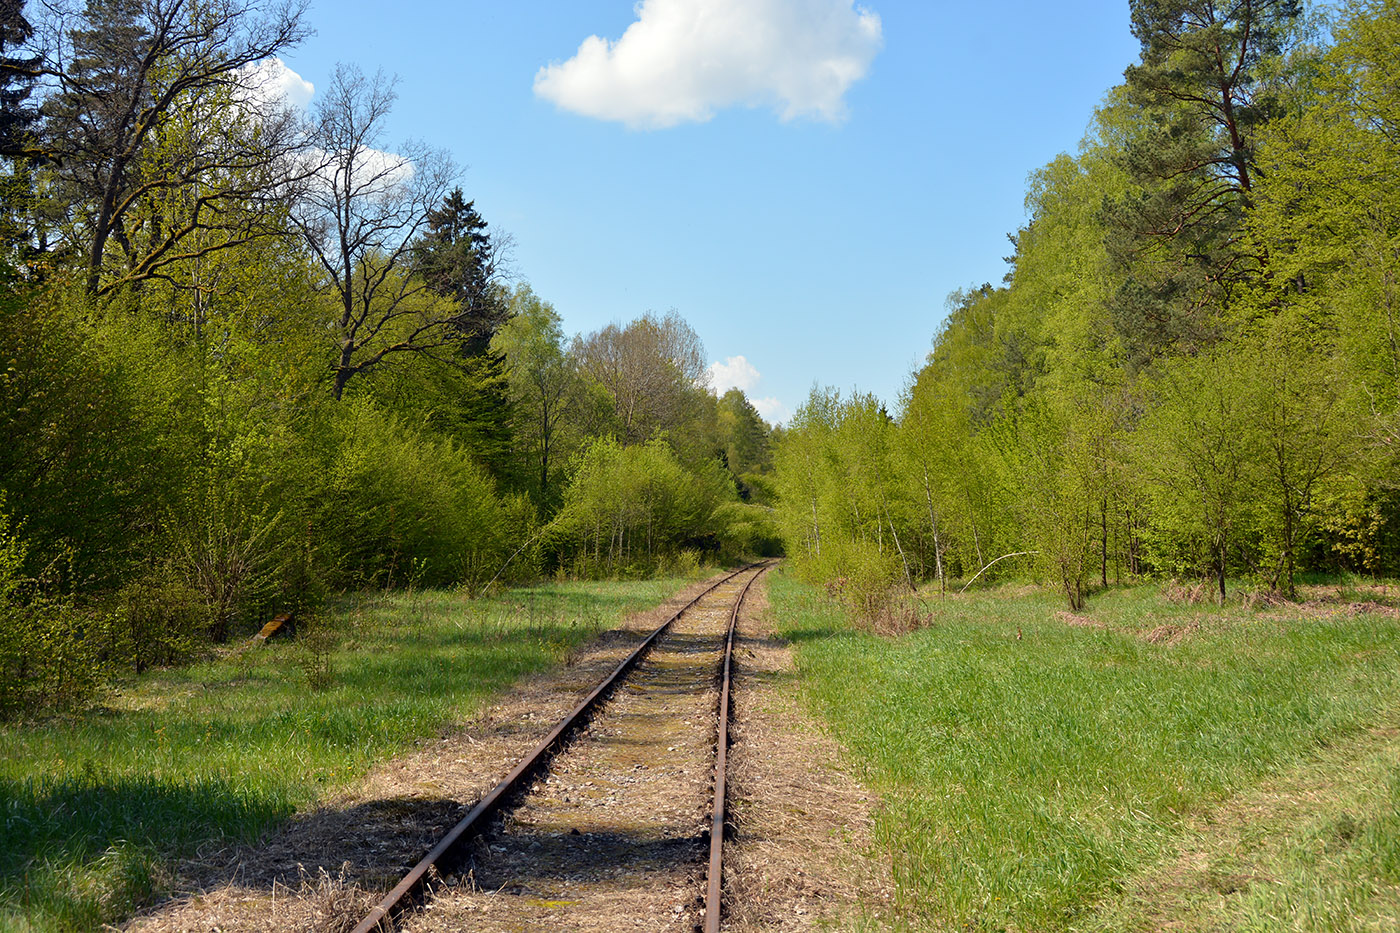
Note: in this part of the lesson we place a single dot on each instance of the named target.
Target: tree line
(1191, 369)
(252, 355)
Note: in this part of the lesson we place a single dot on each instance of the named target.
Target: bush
(629, 509)
(747, 530)
(396, 507)
(159, 621)
(47, 656)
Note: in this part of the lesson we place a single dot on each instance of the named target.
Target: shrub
(396, 507)
(47, 656)
(629, 509)
(159, 620)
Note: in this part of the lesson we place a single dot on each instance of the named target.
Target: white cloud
(734, 373)
(682, 60)
(772, 410)
(271, 83)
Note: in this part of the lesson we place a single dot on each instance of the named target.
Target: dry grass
(364, 838)
(800, 857)
(1078, 621)
(1170, 634)
(1181, 593)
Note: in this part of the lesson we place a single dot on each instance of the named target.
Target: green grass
(1314, 848)
(1028, 779)
(94, 806)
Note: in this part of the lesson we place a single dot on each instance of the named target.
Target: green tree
(545, 391)
(743, 438)
(631, 506)
(1198, 452)
(17, 77)
(460, 259)
(1204, 92)
(1305, 439)
(18, 74)
(123, 72)
(1328, 212)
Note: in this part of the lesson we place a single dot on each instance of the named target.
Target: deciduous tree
(120, 72)
(360, 216)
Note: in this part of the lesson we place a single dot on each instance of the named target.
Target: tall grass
(93, 806)
(1029, 765)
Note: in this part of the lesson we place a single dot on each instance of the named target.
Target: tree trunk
(1221, 566)
(1103, 553)
(933, 522)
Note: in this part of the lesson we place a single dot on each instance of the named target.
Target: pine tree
(459, 259)
(1202, 94)
(18, 74)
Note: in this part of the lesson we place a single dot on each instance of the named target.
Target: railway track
(605, 824)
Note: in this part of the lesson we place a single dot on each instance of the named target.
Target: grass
(94, 806)
(1033, 770)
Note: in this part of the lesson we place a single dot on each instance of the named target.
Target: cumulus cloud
(683, 60)
(271, 83)
(736, 372)
(772, 410)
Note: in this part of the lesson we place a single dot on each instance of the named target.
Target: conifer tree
(1202, 92)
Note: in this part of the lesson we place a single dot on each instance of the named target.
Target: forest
(1190, 371)
(254, 356)
(251, 357)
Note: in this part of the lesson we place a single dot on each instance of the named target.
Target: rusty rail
(716, 872)
(528, 767)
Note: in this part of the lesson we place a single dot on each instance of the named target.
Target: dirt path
(615, 838)
(800, 857)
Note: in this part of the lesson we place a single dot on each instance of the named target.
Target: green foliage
(1049, 469)
(82, 463)
(1204, 91)
(747, 530)
(743, 435)
(549, 397)
(628, 507)
(160, 621)
(48, 656)
(400, 507)
(843, 510)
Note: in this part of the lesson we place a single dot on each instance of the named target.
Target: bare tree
(360, 217)
(653, 367)
(152, 132)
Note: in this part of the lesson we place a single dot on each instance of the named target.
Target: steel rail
(716, 871)
(523, 772)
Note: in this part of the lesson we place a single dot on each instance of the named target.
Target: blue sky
(805, 181)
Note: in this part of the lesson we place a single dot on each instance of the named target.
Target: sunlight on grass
(94, 804)
(1031, 763)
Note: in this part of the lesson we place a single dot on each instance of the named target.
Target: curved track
(603, 824)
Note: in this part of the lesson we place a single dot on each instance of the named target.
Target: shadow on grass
(68, 820)
(207, 759)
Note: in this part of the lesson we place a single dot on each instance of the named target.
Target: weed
(317, 643)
